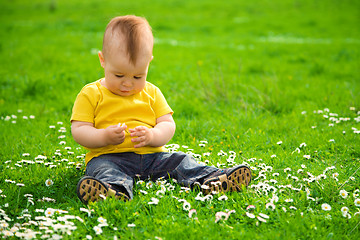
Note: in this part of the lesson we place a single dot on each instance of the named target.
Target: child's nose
(127, 83)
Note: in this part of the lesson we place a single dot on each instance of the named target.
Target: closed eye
(119, 76)
(137, 77)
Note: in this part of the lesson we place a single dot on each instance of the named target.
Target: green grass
(242, 75)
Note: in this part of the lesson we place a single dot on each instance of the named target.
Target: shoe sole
(90, 189)
(230, 182)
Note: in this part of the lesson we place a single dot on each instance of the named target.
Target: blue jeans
(120, 169)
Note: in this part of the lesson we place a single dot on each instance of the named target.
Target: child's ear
(101, 58)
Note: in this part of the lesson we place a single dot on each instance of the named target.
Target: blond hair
(133, 30)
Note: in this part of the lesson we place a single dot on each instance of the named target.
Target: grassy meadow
(271, 84)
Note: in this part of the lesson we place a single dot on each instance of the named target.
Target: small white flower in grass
(274, 198)
(279, 142)
(205, 187)
(49, 212)
(49, 182)
(326, 207)
(250, 208)
(7, 233)
(160, 193)
(3, 225)
(302, 145)
(331, 140)
(296, 150)
(186, 206)
(356, 193)
(221, 216)
(88, 237)
(344, 210)
(149, 185)
(261, 219)
(307, 156)
(143, 192)
(88, 211)
(131, 225)
(273, 156)
(154, 201)
(102, 220)
(97, 230)
(223, 197)
(343, 193)
(357, 202)
(270, 206)
(192, 212)
(250, 215)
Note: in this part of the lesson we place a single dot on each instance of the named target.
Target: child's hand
(143, 136)
(115, 134)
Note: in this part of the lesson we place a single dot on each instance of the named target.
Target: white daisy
(261, 219)
(186, 206)
(49, 182)
(97, 230)
(270, 205)
(344, 210)
(102, 220)
(221, 216)
(49, 212)
(356, 193)
(263, 215)
(343, 193)
(192, 212)
(326, 207)
(250, 215)
(143, 192)
(357, 202)
(154, 201)
(149, 185)
(223, 197)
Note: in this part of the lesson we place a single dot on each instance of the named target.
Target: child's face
(122, 77)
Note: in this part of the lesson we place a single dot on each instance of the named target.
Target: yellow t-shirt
(97, 105)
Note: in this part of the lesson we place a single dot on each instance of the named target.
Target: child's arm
(88, 136)
(155, 137)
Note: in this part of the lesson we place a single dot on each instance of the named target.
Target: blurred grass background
(236, 66)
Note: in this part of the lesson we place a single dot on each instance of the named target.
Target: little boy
(124, 121)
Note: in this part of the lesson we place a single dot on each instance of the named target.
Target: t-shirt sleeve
(84, 106)
(161, 107)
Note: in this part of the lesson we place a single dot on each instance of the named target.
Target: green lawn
(272, 84)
